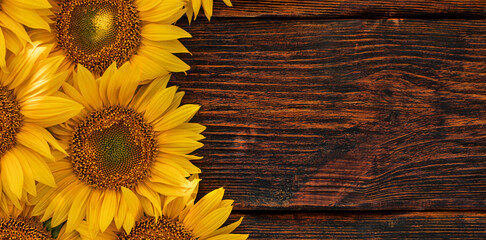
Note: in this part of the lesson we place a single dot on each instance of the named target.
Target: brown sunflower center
(10, 119)
(161, 229)
(113, 148)
(21, 228)
(96, 33)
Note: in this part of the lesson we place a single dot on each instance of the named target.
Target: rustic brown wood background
(343, 119)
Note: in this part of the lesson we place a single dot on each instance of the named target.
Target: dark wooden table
(344, 119)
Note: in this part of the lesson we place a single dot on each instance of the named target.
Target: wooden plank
(353, 9)
(349, 114)
(419, 225)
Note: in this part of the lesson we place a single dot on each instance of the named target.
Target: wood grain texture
(419, 225)
(353, 9)
(348, 114)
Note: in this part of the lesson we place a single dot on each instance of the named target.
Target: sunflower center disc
(162, 229)
(22, 229)
(96, 33)
(113, 148)
(10, 119)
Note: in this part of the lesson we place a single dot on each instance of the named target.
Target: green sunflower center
(20, 228)
(161, 229)
(96, 33)
(113, 148)
(94, 27)
(10, 119)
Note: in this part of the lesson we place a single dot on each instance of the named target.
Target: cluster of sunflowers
(94, 145)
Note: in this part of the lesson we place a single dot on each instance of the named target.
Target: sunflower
(20, 224)
(26, 109)
(127, 147)
(193, 7)
(181, 219)
(96, 33)
(14, 15)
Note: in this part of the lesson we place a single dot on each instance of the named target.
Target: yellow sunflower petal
(194, 127)
(163, 32)
(166, 59)
(46, 135)
(208, 8)
(114, 83)
(129, 222)
(88, 87)
(226, 203)
(177, 117)
(176, 102)
(104, 82)
(189, 12)
(149, 68)
(159, 103)
(131, 199)
(61, 212)
(25, 16)
(108, 208)
(180, 146)
(31, 138)
(14, 26)
(165, 160)
(20, 67)
(148, 207)
(121, 213)
(196, 5)
(34, 4)
(45, 86)
(205, 206)
(78, 209)
(165, 189)
(177, 160)
(11, 174)
(145, 5)
(75, 95)
(29, 181)
(170, 175)
(11, 196)
(3, 50)
(146, 92)
(46, 194)
(211, 222)
(42, 172)
(128, 85)
(176, 134)
(12, 42)
(166, 12)
(228, 3)
(226, 229)
(172, 46)
(93, 213)
(57, 201)
(151, 195)
(47, 111)
(230, 237)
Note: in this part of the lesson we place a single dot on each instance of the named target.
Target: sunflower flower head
(193, 7)
(27, 106)
(20, 224)
(14, 16)
(129, 145)
(96, 33)
(184, 220)
(181, 219)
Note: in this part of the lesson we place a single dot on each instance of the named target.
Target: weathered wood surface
(419, 225)
(341, 114)
(355, 9)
